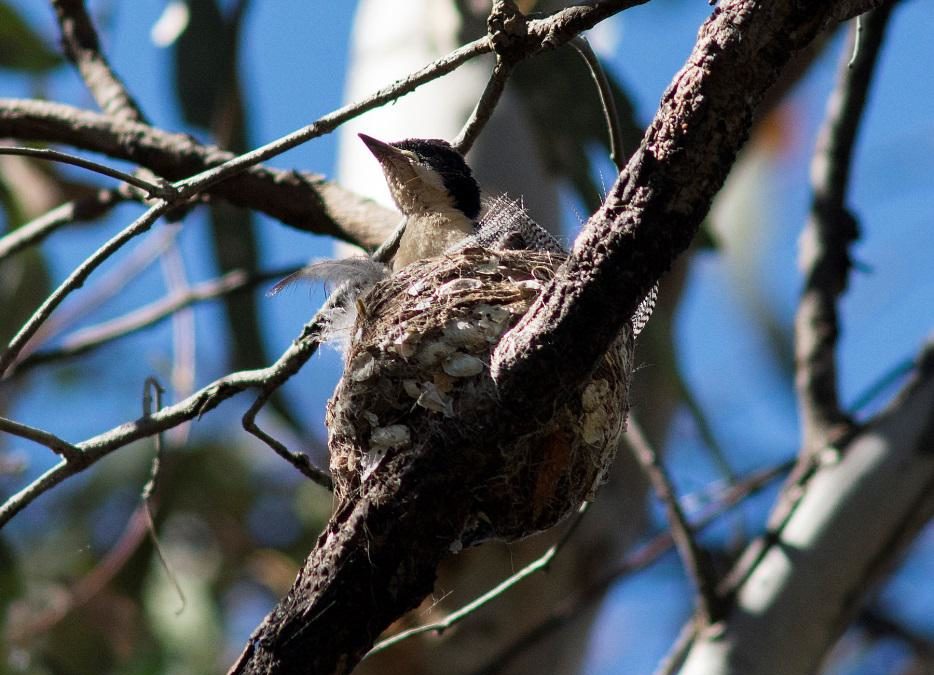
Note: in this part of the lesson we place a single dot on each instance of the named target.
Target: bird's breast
(430, 235)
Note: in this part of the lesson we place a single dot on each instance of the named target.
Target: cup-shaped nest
(419, 359)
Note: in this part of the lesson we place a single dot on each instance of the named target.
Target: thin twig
(610, 115)
(57, 445)
(82, 47)
(163, 191)
(76, 279)
(672, 661)
(541, 564)
(830, 229)
(323, 125)
(87, 339)
(299, 460)
(85, 208)
(485, 106)
(695, 559)
(147, 497)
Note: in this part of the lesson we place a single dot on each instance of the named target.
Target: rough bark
(650, 216)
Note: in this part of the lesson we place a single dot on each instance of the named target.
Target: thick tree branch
(656, 205)
(378, 554)
(831, 228)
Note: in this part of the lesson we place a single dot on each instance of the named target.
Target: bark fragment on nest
(419, 358)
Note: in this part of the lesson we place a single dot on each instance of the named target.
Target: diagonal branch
(75, 280)
(85, 208)
(81, 46)
(378, 555)
(656, 205)
(301, 199)
(831, 228)
(92, 337)
(695, 559)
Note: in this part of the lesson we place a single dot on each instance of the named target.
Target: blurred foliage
(23, 49)
(214, 546)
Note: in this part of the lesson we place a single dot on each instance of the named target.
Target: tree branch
(831, 228)
(695, 559)
(151, 189)
(92, 337)
(300, 199)
(654, 209)
(86, 208)
(81, 46)
(853, 518)
(378, 555)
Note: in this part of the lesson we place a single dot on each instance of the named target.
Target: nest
(419, 358)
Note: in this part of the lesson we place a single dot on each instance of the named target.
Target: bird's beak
(382, 151)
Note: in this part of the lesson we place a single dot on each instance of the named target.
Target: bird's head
(427, 175)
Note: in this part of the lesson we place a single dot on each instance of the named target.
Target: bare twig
(506, 26)
(485, 106)
(694, 558)
(540, 564)
(57, 445)
(672, 661)
(610, 115)
(81, 46)
(831, 228)
(299, 460)
(152, 393)
(87, 339)
(164, 191)
(86, 208)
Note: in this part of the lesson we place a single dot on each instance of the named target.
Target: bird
(441, 203)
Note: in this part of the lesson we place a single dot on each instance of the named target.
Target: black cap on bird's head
(426, 175)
